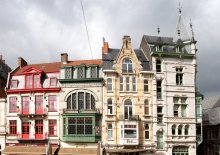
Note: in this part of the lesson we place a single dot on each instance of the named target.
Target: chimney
(105, 47)
(64, 58)
(21, 62)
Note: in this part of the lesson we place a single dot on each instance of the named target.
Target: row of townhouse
(132, 101)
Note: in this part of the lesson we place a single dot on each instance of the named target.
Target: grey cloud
(39, 30)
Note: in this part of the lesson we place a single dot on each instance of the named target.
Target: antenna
(86, 29)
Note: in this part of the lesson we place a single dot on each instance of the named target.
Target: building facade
(4, 70)
(80, 105)
(32, 107)
(173, 62)
(210, 126)
(127, 125)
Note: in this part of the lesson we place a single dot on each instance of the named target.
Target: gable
(32, 70)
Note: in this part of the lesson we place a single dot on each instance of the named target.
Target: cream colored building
(127, 101)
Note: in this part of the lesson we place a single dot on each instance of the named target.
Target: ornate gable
(32, 70)
(128, 53)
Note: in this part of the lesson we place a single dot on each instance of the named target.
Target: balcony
(32, 112)
(42, 136)
(130, 118)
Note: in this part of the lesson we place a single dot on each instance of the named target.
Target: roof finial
(178, 32)
(180, 9)
(191, 27)
(158, 30)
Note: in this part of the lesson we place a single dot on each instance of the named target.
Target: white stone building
(173, 61)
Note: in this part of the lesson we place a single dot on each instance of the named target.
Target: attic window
(179, 49)
(81, 72)
(32, 81)
(93, 72)
(53, 81)
(159, 48)
(127, 66)
(14, 83)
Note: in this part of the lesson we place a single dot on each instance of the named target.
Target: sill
(12, 111)
(109, 91)
(110, 139)
(110, 114)
(146, 92)
(12, 134)
(52, 110)
(161, 124)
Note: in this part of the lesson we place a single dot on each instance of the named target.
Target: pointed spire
(181, 31)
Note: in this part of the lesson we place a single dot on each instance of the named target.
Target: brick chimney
(64, 58)
(21, 62)
(105, 47)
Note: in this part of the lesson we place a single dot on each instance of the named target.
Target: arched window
(173, 129)
(180, 130)
(127, 66)
(81, 101)
(146, 107)
(186, 130)
(110, 106)
(127, 109)
(160, 140)
(110, 132)
(158, 66)
(147, 136)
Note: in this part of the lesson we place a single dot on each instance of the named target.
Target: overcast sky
(39, 30)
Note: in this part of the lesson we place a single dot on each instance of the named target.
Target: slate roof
(168, 42)
(46, 67)
(109, 58)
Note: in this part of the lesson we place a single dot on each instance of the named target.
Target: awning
(125, 150)
(33, 150)
(78, 151)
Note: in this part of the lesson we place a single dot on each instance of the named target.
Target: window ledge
(110, 114)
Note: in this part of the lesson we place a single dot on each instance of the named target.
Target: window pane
(81, 100)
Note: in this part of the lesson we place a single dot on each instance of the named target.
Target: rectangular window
(159, 89)
(12, 127)
(52, 127)
(80, 126)
(145, 85)
(29, 81)
(110, 132)
(68, 73)
(147, 136)
(14, 83)
(25, 104)
(53, 81)
(134, 84)
(25, 129)
(127, 84)
(176, 110)
(146, 107)
(121, 84)
(39, 129)
(52, 103)
(179, 76)
(109, 84)
(159, 115)
(93, 72)
(81, 73)
(12, 104)
(183, 110)
(32, 81)
(39, 104)
(130, 131)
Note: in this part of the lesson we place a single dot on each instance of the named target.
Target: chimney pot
(64, 58)
(21, 62)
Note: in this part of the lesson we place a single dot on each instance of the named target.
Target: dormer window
(127, 66)
(68, 72)
(53, 81)
(81, 72)
(32, 81)
(159, 48)
(14, 83)
(93, 72)
(179, 49)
